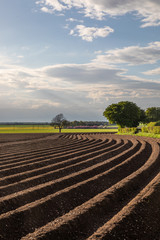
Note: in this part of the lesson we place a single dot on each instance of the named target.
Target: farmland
(79, 186)
(46, 129)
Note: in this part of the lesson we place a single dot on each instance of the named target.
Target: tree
(153, 114)
(59, 121)
(143, 117)
(124, 114)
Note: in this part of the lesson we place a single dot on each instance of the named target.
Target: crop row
(79, 186)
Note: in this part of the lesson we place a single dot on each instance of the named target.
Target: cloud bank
(147, 10)
(76, 88)
(132, 55)
(155, 71)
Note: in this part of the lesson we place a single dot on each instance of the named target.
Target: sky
(77, 57)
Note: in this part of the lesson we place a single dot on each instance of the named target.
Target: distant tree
(124, 114)
(74, 123)
(153, 114)
(59, 121)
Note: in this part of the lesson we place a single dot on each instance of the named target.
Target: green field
(45, 129)
(49, 129)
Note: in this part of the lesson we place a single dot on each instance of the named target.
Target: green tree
(59, 121)
(143, 117)
(153, 114)
(124, 114)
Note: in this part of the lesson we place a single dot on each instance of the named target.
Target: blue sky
(77, 57)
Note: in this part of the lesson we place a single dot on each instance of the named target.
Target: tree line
(124, 114)
(59, 121)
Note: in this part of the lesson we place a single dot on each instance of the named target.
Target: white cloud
(74, 20)
(81, 88)
(147, 10)
(132, 55)
(46, 10)
(155, 71)
(51, 6)
(89, 33)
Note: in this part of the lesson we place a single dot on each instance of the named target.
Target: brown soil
(79, 186)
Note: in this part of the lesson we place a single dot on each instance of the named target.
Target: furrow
(53, 186)
(31, 145)
(55, 147)
(57, 170)
(46, 159)
(139, 218)
(28, 158)
(58, 163)
(62, 201)
(84, 219)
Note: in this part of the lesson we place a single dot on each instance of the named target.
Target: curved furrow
(41, 143)
(74, 136)
(12, 138)
(53, 170)
(108, 193)
(57, 143)
(28, 141)
(52, 174)
(28, 158)
(65, 144)
(53, 186)
(139, 218)
(56, 147)
(76, 175)
(47, 158)
(63, 159)
(26, 155)
(32, 144)
(71, 136)
(62, 201)
(58, 163)
(84, 219)
(55, 166)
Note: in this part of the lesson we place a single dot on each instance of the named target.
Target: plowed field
(79, 186)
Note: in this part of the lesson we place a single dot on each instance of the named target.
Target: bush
(157, 130)
(151, 124)
(128, 130)
(144, 129)
(153, 129)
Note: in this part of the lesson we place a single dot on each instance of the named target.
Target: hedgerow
(128, 130)
(152, 127)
